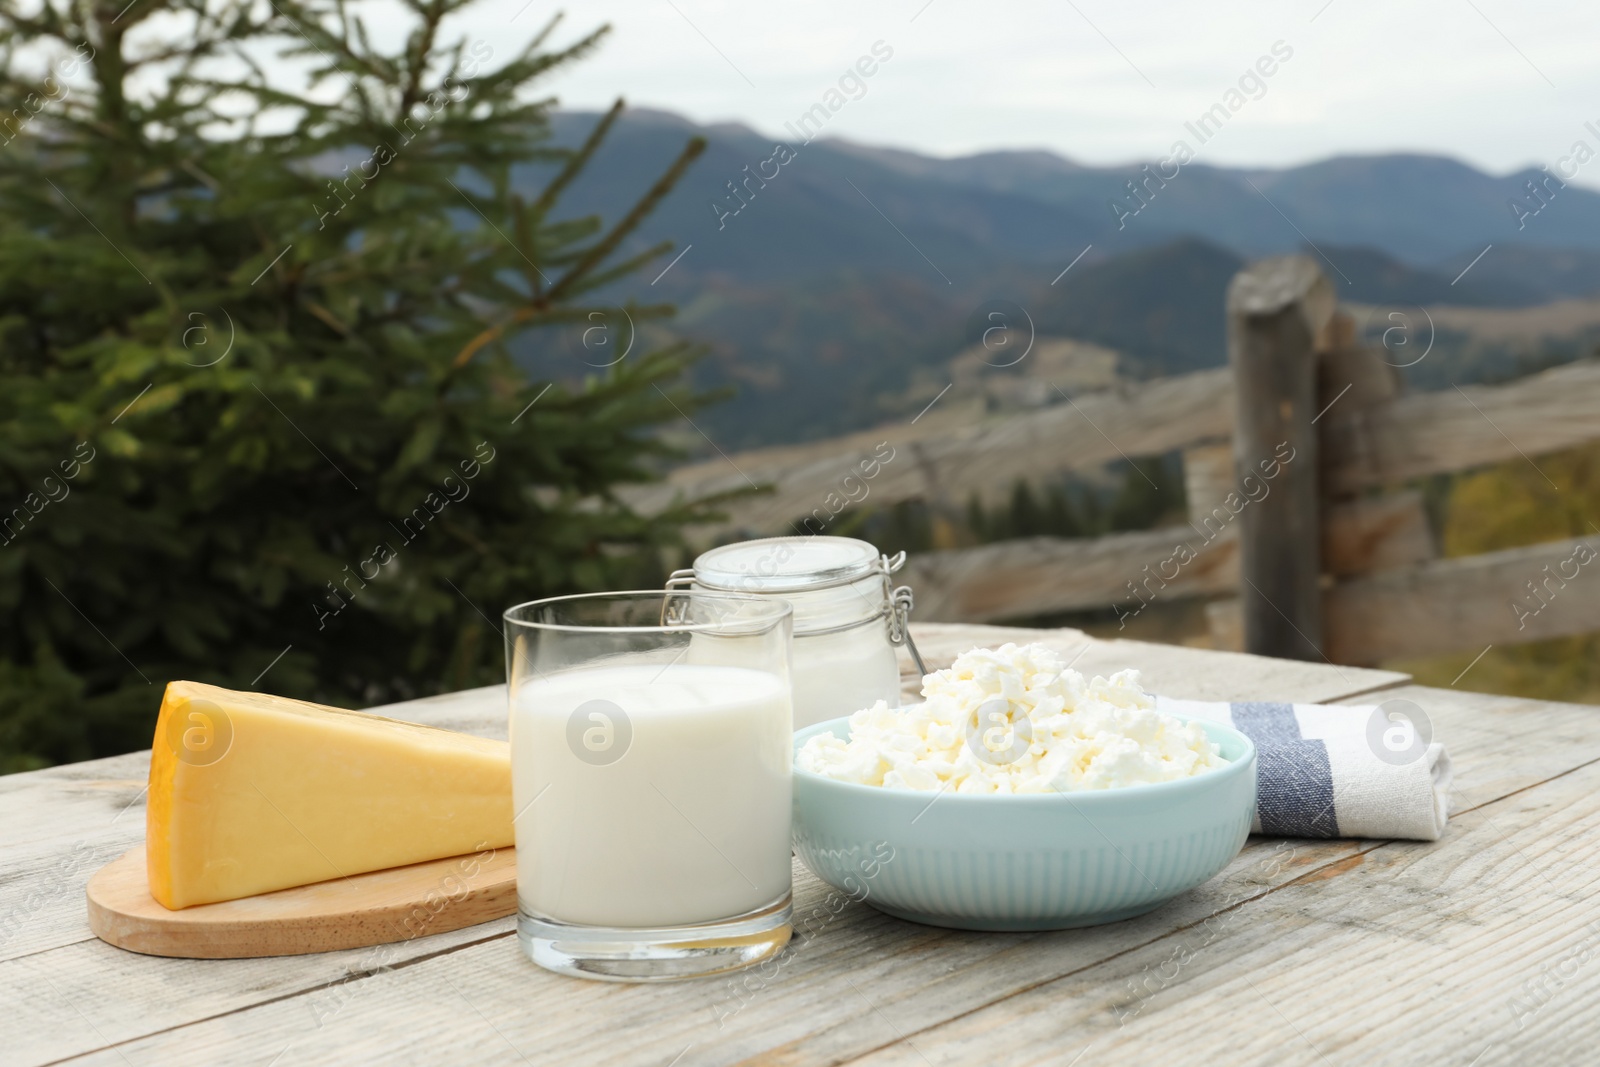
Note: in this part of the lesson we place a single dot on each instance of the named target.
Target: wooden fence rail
(932, 462)
(1296, 462)
(1458, 429)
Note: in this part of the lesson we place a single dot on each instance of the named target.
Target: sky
(1491, 82)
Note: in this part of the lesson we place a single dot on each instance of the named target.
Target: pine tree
(1061, 519)
(260, 421)
(1025, 518)
(1149, 490)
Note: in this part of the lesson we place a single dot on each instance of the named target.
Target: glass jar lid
(785, 564)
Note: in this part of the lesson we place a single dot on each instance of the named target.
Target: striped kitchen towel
(1329, 771)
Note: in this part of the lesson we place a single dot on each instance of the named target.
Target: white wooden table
(1483, 948)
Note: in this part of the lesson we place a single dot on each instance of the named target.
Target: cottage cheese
(1015, 720)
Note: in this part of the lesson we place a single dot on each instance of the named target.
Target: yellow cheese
(250, 793)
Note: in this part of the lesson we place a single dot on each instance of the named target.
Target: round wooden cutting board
(366, 909)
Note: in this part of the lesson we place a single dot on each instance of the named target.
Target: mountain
(1367, 275)
(1163, 306)
(826, 355)
(1420, 208)
(833, 283)
(1552, 273)
(837, 202)
(823, 209)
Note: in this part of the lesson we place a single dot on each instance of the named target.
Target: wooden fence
(1298, 459)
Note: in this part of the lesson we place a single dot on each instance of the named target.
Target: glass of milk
(650, 764)
(847, 616)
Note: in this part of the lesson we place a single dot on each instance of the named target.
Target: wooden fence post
(1276, 309)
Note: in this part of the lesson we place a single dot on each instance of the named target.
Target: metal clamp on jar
(848, 616)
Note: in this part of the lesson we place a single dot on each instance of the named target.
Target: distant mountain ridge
(834, 203)
(824, 210)
(834, 282)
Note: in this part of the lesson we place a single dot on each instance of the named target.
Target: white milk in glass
(690, 823)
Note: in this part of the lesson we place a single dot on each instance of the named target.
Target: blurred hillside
(1513, 504)
(970, 213)
(842, 289)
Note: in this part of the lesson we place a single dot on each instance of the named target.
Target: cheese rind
(252, 793)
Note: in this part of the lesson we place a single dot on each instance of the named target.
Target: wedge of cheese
(250, 793)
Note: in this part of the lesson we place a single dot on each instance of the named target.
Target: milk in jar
(847, 617)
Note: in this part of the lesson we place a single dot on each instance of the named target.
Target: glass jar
(848, 618)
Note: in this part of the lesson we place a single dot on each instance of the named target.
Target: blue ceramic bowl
(1035, 862)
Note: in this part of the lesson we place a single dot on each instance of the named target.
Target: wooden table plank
(1482, 949)
(456, 1000)
(430, 1012)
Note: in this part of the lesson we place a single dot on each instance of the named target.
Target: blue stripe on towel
(1294, 789)
(1294, 782)
(1265, 723)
